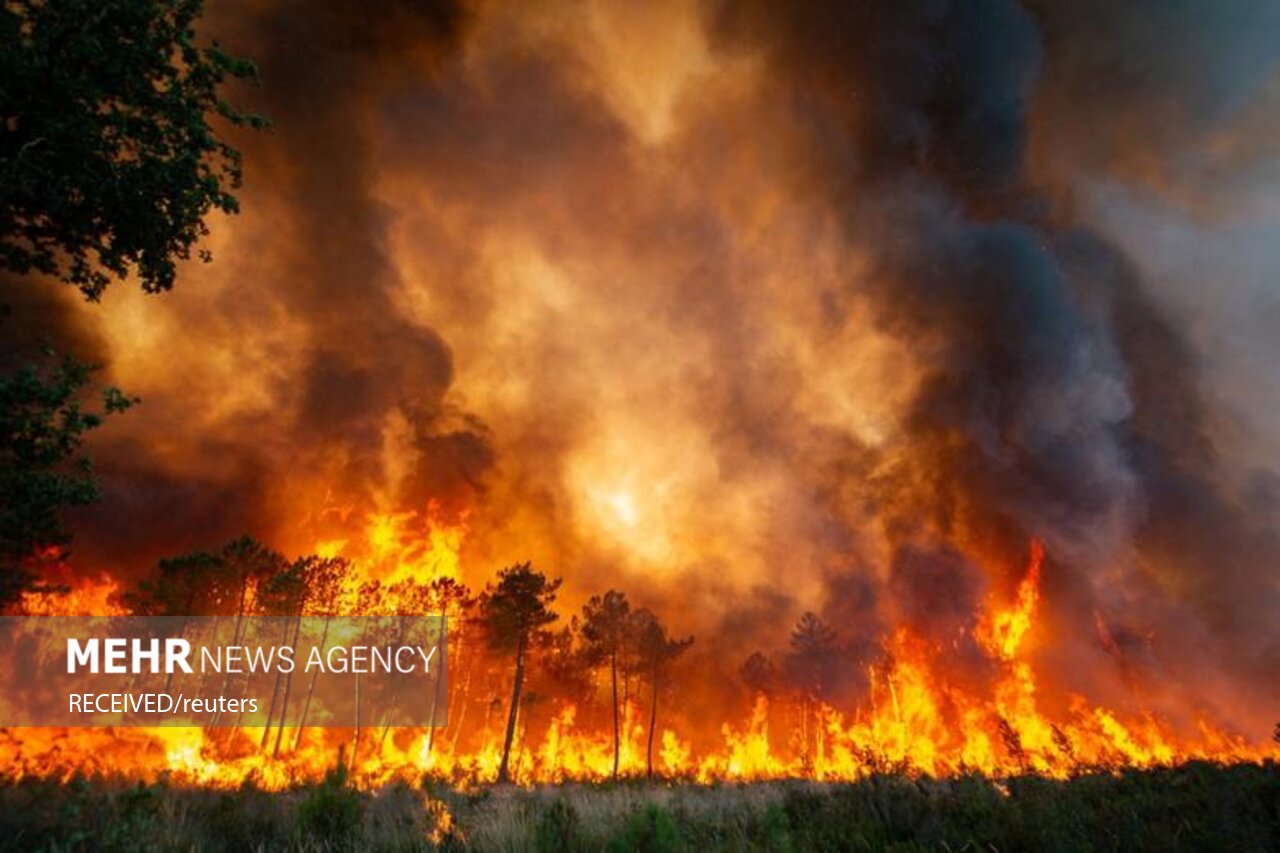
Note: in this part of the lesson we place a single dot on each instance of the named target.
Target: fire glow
(914, 718)
(738, 311)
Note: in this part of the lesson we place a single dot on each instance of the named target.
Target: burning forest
(760, 391)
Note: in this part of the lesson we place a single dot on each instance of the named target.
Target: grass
(1198, 806)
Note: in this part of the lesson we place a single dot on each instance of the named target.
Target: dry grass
(1197, 807)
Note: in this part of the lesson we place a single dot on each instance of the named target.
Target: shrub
(650, 830)
(557, 828)
(330, 812)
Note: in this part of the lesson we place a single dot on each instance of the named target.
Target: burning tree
(811, 666)
(608, 630)
(449, 600)
(185, 585)
(325, 580)
(655, 650)
(514, 612)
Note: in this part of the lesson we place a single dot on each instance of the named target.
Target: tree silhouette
(811, 667)
(325, 580)
(566, 664)
(759, 674)
(186, 585)
(109, 161)
(450, 601)
(283, 595)
(514, 612)
(42, 428)
(607, 630)
(655, 650)
(814, 655)
(246, 565)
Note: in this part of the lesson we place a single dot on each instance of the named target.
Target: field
(1198, 806)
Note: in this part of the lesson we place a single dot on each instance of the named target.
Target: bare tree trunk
(355, 740)
(504, 775)
(311, 687)
(236, 638)
(653, 722)
(236, 641)
(467, 659)
(389, 712)
(288, 686)
(435, 698)
(275, 688)
(613, 672)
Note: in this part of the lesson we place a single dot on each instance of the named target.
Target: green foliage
(109, 161)
(182, 585)
(557, 828)
(650, 830)
(775, 829)
(42, 429)
(330, 813)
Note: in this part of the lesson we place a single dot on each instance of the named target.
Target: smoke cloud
(752, 309)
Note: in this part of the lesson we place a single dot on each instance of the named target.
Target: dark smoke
(1061, 403)
(323, 67)
(323, 264)
(1059, 398)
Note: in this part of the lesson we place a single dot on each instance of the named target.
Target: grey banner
(223, 671)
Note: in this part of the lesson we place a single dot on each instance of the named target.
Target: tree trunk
(389, 712)
(466, 660)
(236, 638)
(288, 687)
(613, 672)
(275, 687)
(653, 722)
(435, 698)
(311, 687)
(355, 739)
(504, 775)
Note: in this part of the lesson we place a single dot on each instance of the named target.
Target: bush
(557, 828)
(330, 813)
(1197, 806)
(651, 830)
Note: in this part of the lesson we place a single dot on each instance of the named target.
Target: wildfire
(916, 718)
(82, 597)
(745, 310)
(403, 545)
(1004, 631)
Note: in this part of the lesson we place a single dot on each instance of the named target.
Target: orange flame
(916, 718)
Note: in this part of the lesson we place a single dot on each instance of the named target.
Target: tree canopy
(608, 628)
(515, 612)
(109, 158)
(517, 607)
(42, 428)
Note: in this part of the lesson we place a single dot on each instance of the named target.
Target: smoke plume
(751, 309)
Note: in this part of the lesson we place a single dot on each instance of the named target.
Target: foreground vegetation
(1198, 806)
